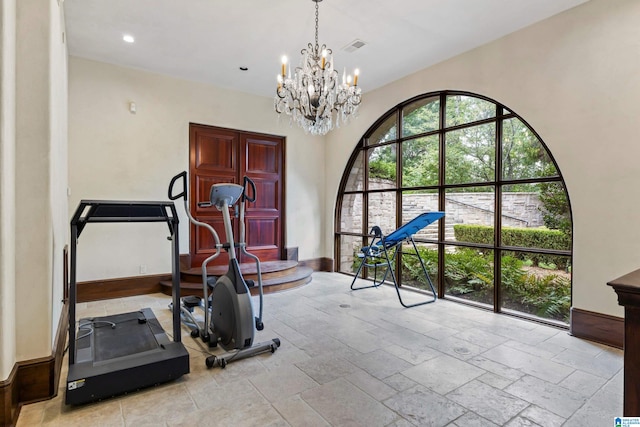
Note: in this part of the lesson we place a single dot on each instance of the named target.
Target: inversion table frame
(381, 245)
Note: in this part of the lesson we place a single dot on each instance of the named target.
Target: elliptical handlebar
(182, 175)
(246, 181)
(184, 196)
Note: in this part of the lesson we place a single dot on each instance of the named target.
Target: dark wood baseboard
(34, 380)
(601, 328)
(9, 408)
(97, 290)
(318, 264)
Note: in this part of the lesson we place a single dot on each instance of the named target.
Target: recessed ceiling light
(128, 38)
(243, 68)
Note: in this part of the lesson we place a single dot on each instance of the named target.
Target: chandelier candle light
(313, 97)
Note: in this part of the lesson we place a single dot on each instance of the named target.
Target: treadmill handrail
(89, 211)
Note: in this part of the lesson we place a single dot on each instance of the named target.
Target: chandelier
(313, 97)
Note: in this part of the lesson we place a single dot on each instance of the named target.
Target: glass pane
(421, 116)
(356, 175)
(556, 211)
(543, 290)
(387, 131)
(420, 162)
(412, 273)
(470, 154)
(351, 213)
(523, 156)
(349, 248)
(536, 216)
(382, 167)
(382, 211)
(466, 109)
(521, 206)
(416, 202)
(468, 274)
(469, 215)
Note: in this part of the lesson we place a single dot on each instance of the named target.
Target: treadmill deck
(122, 353)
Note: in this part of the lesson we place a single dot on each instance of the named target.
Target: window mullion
(497, 232)
(441, 193)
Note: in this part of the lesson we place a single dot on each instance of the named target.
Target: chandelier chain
(317, 45)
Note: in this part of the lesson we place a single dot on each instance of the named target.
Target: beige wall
(574, 79)
(33, 209)
(7, 186)
(58, 171)
(114, 154)
(40, 174)
(33, 213)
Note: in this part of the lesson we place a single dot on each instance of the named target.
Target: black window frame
(502, 113)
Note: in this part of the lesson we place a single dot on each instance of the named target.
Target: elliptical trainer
(228, 312)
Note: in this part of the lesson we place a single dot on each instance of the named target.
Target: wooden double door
(224, 155)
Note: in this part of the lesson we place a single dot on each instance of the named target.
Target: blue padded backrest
(412, 227)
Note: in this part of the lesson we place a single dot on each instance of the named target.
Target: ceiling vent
(354, 45)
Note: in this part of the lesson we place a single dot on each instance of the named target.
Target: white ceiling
(208, 40)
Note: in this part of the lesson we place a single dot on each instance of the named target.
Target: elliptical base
(223, 359)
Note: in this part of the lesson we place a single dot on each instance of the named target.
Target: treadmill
(112, 355)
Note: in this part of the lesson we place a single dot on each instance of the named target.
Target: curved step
(267, 268)
(300, 276)
(295, 277)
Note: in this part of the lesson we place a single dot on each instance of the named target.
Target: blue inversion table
(377, 253)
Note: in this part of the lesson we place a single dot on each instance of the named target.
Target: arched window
(505, 240)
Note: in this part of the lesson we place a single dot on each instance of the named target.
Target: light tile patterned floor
(357, 358)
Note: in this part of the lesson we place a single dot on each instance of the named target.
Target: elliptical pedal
(191, 301)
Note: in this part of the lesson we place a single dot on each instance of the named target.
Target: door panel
(269, 200)
(222, 158)
(263, 240)
(262, 162)
(262, 156)
(213, 159)
(223, 155)
(206, 244)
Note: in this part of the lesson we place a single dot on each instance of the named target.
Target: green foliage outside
(555, 207)
(470, 152)
(522, 237)
(381, 167)
(469, 273)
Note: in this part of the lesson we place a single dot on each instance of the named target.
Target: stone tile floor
(357, 358)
